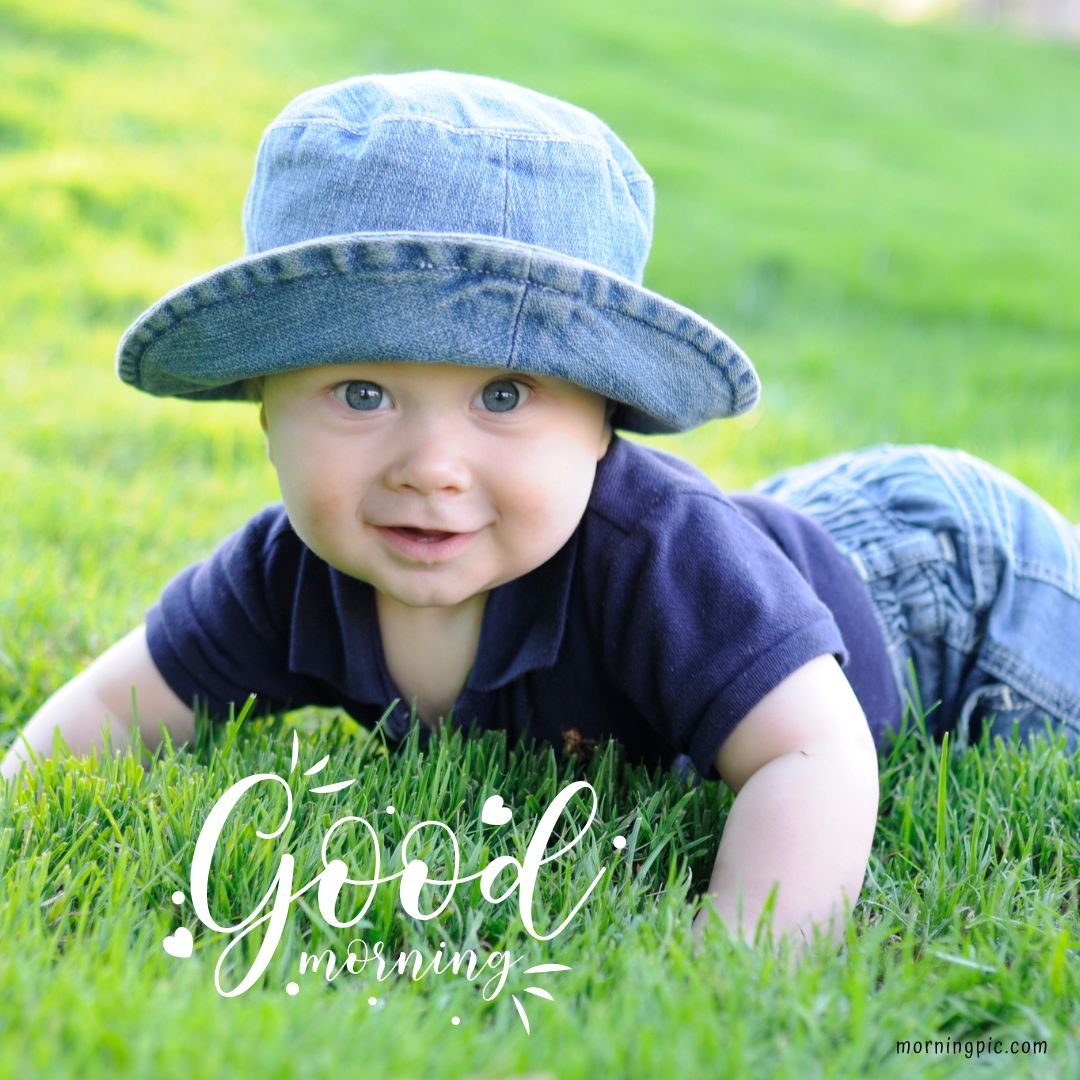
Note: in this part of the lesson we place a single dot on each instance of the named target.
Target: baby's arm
(804, 769)
(99, 698)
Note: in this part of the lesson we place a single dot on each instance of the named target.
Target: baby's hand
(120, 689)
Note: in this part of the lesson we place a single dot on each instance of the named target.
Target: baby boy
(441, 316)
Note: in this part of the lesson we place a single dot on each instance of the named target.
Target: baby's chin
(431, 601)
(437, 588)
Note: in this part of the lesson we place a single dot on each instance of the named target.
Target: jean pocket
(1006, 712)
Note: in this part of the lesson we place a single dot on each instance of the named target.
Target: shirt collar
(524, 621)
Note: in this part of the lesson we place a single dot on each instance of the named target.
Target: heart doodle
(494, 813)
(179, 944)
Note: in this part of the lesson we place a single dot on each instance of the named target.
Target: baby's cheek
(308, 495)
(571, 481)
(325, 504)
(553, 509)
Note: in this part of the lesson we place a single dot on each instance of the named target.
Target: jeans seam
(1037, 571)
(983, 577)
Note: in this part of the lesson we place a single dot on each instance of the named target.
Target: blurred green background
(884, 217)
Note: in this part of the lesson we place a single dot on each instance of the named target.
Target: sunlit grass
(883, 217)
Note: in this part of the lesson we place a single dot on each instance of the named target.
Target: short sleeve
(704, 615)
(219, 631)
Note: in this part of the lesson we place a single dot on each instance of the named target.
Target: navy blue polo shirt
(669, 613)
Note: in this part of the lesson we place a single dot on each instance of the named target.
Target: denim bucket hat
(441, 217)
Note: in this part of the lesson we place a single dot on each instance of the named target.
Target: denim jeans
(974, 578)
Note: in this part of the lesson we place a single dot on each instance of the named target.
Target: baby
(441, 318)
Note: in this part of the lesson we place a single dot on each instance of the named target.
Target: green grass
(966, 928)
(883, 217)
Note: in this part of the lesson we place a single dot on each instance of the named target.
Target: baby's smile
(426, 545)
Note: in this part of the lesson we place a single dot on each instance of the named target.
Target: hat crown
(443, 152)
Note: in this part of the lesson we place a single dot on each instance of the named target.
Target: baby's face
(503, 460)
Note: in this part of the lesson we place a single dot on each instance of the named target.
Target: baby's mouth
(429, 536)
(427, 546)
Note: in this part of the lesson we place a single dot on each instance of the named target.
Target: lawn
(885, 219)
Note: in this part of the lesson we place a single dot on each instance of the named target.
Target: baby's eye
(503, 395)
(361, 395)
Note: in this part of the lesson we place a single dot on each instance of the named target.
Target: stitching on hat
(506, 133)
(521, 308)
(155, 335)
(506, 185)
(196, 309)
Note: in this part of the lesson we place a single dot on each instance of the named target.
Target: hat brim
(440, 298)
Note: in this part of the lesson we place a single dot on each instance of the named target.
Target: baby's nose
(434, 460)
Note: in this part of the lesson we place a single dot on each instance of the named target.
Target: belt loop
(860, 567)
(947, 548)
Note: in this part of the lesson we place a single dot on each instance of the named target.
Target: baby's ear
(609, 431)
(266, 432)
